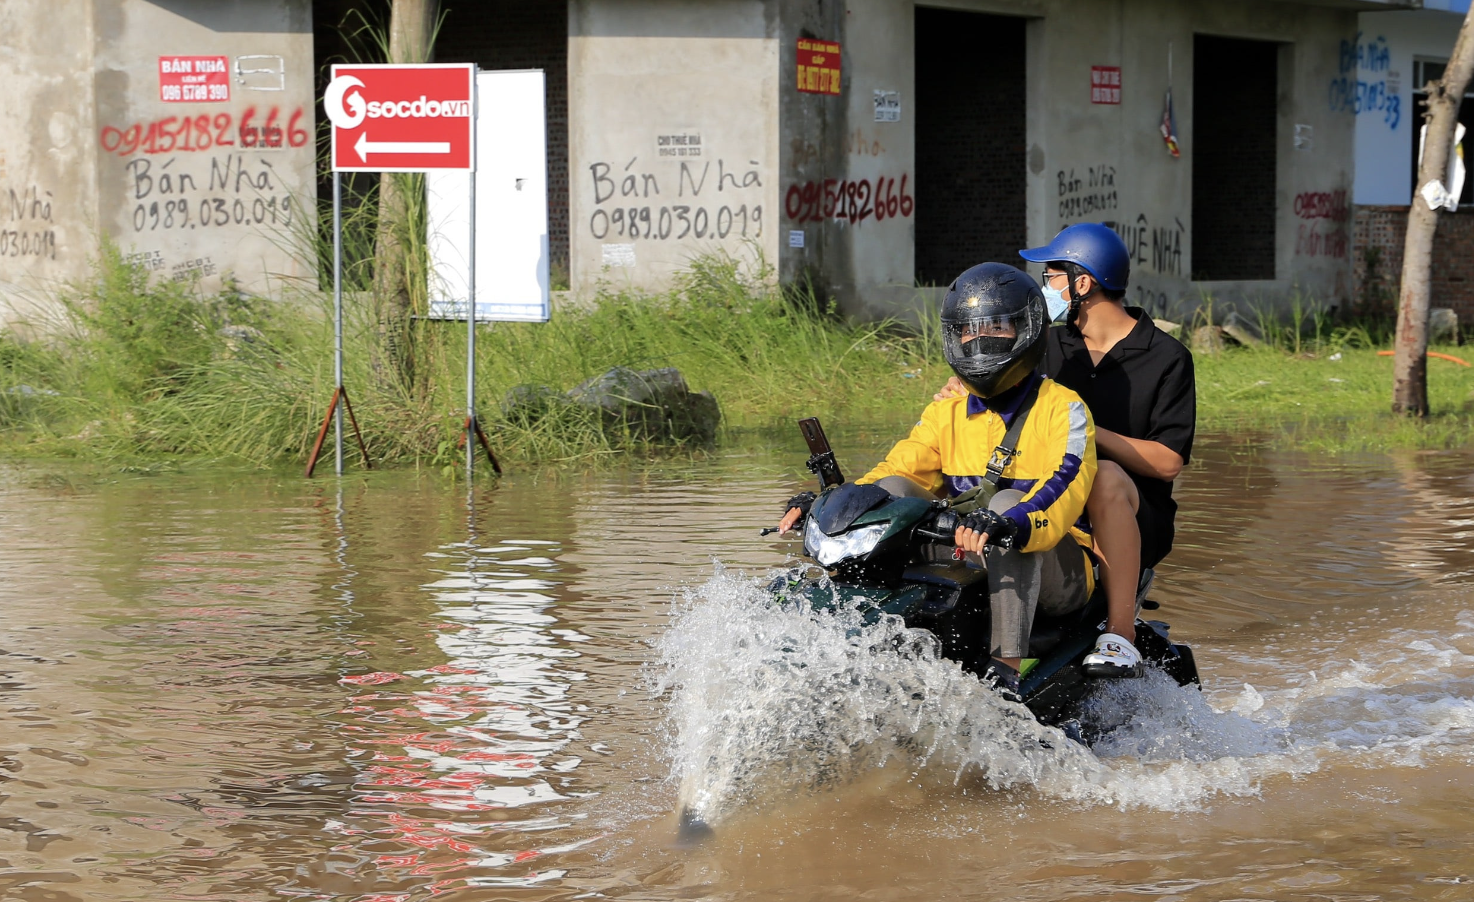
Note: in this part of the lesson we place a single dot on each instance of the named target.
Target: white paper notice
(887, 106)
(619, 255)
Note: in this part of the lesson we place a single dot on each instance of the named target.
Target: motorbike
(883, 554)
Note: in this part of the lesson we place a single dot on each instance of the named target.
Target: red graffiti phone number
(849, 201)
(174, 134)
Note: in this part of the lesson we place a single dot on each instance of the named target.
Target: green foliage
(1335, 400)
(141, 370)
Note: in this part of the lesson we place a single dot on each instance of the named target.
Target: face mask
(1058, 305)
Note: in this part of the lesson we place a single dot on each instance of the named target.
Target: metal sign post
(472, 427)
(499, 273)
(472, 430)
(338, 316)
(340, 394)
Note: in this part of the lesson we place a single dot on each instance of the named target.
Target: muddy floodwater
(256, 687)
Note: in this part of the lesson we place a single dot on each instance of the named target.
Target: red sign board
(1105, 84)
(194, 79)
(818, 66)
(402, 118)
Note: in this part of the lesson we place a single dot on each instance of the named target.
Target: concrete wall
(1091, 161)
(725, 70)
(48, 150)
(1377, 88)
(191, 190)
(673, 121)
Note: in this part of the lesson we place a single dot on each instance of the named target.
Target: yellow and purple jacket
(949, 448)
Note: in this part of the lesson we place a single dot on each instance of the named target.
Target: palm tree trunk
(1410, 366)
(411, 36)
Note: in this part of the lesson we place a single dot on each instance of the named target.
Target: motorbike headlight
(829, 550)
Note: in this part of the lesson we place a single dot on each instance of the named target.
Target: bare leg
(1112, 506)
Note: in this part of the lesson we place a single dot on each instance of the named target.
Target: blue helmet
(1094, 247)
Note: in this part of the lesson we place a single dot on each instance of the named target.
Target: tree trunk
(1410, 366)
(411, 35)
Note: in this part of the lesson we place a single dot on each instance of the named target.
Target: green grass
(1315, 402)
(135, 374)
(139, 372)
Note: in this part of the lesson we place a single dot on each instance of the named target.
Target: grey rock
(1207, 340)
(241, 334)
(650, 405)
(526, 404)
(1443, 326)
(1241, 330)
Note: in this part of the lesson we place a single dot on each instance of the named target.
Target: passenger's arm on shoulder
(952, 389)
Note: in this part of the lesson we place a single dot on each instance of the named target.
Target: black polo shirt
(1143, 389)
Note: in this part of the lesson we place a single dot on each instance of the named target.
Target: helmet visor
(981, 342)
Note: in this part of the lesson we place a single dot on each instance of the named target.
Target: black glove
(803, 501)
(999, 528)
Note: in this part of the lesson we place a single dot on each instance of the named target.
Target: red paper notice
(194, 79)
(818, 66)
(1105, 84)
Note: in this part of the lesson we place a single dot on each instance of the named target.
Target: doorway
(1234, 122)
(971, 142)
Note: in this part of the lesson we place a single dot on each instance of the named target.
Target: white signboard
(511, 209)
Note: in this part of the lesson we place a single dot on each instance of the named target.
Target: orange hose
(1439, 354)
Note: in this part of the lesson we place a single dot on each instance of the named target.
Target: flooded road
(257, 687)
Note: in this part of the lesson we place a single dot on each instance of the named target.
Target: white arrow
(366, 147)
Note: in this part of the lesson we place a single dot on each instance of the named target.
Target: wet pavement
(253, 687)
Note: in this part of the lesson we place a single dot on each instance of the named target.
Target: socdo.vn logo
(347, 108)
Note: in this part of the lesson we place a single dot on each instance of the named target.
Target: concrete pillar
(673, 138)
(210, 187)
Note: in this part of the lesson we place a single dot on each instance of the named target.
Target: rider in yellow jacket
(1019, 446)
(947, 454)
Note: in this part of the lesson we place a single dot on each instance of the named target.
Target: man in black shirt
(1138, 383)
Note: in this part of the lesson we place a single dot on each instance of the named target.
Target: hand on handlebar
(789, 519)
(798, 508)
(985, 527)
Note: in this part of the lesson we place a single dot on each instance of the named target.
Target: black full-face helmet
(993, 327)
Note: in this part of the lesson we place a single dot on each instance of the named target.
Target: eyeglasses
(1050, 275)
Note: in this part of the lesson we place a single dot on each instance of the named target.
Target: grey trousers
(1019, 584)
(1052, 581)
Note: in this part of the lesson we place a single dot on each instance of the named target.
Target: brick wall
(1233, 148)
(1378, 233)
(515, 34)
(970, 142)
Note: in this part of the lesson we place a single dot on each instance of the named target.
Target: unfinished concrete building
(870, 147)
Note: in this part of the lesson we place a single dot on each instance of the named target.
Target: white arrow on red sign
(402, 118)
(364, 147)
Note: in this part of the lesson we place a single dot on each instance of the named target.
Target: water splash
(767, 700)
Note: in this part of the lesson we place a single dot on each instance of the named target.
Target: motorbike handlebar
(941, 528)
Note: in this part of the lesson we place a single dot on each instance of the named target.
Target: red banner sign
(194, 79)
(1105, 84)
(392, 118)
(818, 66)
